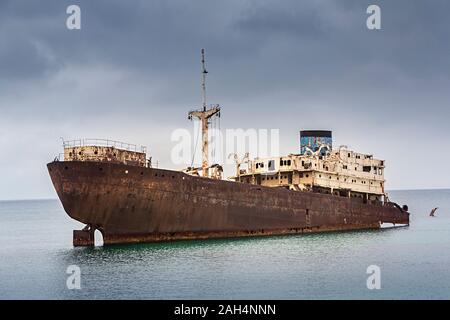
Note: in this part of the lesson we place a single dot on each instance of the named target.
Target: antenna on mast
(204, 115)
(204, 73)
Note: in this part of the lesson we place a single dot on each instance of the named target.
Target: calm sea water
(35, 251)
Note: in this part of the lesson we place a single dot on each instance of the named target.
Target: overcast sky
(132, 73)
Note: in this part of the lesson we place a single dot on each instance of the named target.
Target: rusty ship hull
(131, 204)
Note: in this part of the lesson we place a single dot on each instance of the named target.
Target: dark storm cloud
(162, 38)
(132, 72)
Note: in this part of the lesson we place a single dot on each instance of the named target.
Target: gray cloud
(132, 73)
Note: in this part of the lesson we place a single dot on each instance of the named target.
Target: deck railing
(103, 143)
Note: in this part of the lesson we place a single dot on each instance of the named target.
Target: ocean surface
(36, 250)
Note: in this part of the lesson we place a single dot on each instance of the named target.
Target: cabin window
(301, 175)
(344, 167)
(271, 165)
(367, 168)
(289, 162)
(281, 162)
(349, 155)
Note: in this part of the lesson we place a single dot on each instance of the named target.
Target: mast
(204, 115)
(204, 73)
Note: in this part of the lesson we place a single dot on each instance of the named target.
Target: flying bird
(433, 211)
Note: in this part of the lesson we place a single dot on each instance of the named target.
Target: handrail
(89, 142)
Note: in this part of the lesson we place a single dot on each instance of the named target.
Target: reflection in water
(331, 265)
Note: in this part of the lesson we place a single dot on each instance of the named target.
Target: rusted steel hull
(130, 204)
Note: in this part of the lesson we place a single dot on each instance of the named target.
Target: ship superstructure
(340, 172)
